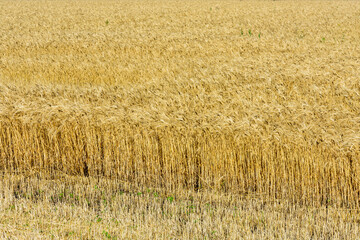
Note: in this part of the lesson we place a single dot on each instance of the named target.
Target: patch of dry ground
(74, 207)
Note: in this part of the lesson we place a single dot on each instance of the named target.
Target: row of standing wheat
(175, 159)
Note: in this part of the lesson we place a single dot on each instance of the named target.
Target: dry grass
(78, 207)
(255, 104)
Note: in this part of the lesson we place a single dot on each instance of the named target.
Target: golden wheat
(239, 98)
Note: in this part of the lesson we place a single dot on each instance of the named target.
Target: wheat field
(179, 119)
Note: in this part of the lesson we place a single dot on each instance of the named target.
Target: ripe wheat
(229, 97)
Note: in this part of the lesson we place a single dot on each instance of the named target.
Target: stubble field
(180, 119)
